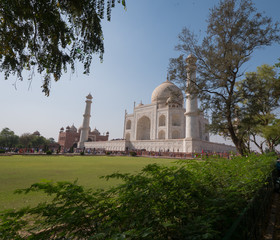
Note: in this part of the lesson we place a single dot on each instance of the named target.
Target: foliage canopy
(50, 35)
(8, 138)
(260, 94)
(235, 30)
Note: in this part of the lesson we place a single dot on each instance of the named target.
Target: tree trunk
(259, 146)
(238, 142)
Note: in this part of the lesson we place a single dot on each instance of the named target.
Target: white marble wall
(117, 145)
(199, 146)
(173, 145)
(204, 123)
(176, 113)
(154, 114)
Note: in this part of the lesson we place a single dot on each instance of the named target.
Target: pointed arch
(128, 124)
(161, 134)
(143, 128)
(161, 121)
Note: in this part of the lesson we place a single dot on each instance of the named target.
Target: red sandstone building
(71, 136)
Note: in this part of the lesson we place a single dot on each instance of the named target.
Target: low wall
(113, 145)
(165, 145)
(204, 146)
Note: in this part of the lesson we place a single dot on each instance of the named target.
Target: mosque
(162, 125)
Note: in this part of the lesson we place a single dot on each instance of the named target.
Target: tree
(260, 94)
(51, 140)
(29, 140)
(25, 140)
(234, 31)
(39, 141)
(278, 64)
(8, 138)
(271, 133)
(48, 36)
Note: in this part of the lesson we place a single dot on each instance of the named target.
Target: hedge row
(190, 200)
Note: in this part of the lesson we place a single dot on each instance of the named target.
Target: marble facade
(164, 124)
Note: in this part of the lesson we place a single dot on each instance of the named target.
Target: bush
(133, 154)
(108, 153)
(49, 152)
(82, 153)
(189, 200)
(2, 151)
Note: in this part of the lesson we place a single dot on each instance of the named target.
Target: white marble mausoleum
(163, 125)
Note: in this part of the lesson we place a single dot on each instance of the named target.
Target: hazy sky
(138, 45)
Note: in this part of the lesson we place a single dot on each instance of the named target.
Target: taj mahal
(163, 125)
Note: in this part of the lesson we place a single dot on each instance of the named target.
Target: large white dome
(167, 91)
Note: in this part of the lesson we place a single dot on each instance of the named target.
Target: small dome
(36, 133)
(67, 127)
(89, 96)
(191, 56)
(165, 91)
(73, 128)
(62, 129)
(96, 132)
(191, 60)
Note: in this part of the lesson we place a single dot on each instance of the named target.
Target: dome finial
(167, 78)
(191, 60)
(89, 96)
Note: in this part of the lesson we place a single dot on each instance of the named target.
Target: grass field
(21, 171)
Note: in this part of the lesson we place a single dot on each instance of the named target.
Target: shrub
(108, 153)
(189, 200)
(133, 154)
(82, 153)
(49, 152)
(2, 151)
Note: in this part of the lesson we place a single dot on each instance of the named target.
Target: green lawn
(21, 171)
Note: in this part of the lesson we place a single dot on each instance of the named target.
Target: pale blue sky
(138, 45)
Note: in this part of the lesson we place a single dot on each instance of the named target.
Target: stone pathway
(273, 228)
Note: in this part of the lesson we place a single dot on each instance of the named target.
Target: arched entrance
(128, 124)
(127, 137)
(143, 128)
(161, 134)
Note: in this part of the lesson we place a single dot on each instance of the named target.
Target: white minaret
(191, 113)
(85, 127)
